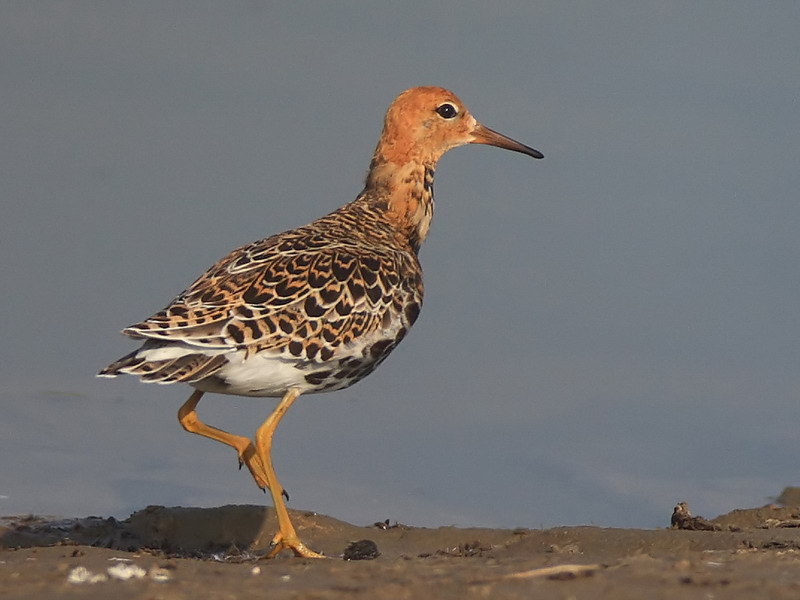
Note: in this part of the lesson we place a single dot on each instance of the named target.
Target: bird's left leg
(248, 456)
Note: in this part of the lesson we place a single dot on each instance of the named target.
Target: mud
(176, 553)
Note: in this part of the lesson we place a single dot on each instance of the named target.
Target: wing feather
(301, 295)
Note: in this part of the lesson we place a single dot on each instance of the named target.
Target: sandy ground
(175, 553)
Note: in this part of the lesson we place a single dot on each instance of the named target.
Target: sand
(176, 553)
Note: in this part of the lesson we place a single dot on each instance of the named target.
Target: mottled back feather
(307, 294)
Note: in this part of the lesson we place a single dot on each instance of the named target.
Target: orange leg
(286, 538)
(244, 447)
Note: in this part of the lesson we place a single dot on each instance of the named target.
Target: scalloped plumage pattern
(331, 299)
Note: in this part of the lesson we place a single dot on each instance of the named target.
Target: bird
(316, 308)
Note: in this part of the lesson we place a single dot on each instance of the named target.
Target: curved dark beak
(484, 135)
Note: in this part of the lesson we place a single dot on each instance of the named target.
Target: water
(605, 332)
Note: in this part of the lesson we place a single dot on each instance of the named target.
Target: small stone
(361, 550)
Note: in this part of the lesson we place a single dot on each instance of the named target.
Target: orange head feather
(425, 122)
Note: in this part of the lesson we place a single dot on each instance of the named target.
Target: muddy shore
(176, 553)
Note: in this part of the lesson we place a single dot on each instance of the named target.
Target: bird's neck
(405, 193)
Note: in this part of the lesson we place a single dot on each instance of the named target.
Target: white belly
(258, 375)
(271, 374)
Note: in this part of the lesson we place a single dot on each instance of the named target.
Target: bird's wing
(301, 294)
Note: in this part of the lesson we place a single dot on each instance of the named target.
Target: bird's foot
(279, 544)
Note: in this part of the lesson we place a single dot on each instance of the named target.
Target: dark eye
(447, 111)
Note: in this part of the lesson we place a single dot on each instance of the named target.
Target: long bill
(484, 135)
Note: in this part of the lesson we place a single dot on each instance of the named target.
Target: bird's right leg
(286, 538)
(244, 447)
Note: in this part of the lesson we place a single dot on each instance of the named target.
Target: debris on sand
(682, 519)
(121, 571)
(80, 575)
(125, 571)
(774, 523)
(555, 572)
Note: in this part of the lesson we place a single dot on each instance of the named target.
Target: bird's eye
(446, 111)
